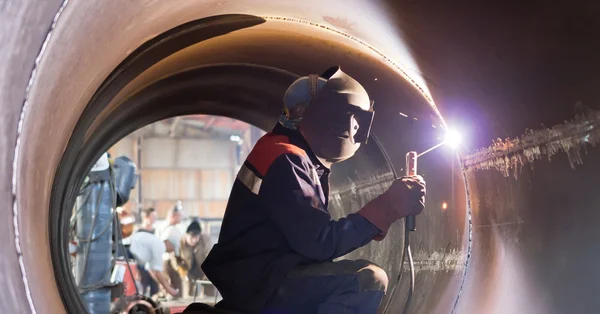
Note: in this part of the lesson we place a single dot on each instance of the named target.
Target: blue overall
(278, 241)
(327, 288)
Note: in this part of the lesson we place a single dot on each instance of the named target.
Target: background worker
(193, 250)
(148, 249)
(278, 241)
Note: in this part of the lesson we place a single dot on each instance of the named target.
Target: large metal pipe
(518, 247)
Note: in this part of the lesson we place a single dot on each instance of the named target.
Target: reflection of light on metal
(586, 138)
(415, 118)
(376, 79)
(404, 115)
(453, 138)
(444, 206)
(73, 248)
(393, 42)
(390, 39)
(510, 270)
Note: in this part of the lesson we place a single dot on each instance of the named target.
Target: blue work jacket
(276, 219)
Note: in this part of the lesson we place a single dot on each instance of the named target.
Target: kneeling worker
(193, 250)
(278, 241)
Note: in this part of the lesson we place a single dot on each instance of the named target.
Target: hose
(88, 247)
(102, 232)
(406, 252)
(411, 267)
(120, 243)
(74, 217)
(406, 249)
(90, 239)
(118, 226)
(118, 238)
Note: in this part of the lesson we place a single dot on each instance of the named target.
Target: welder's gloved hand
(406, 196)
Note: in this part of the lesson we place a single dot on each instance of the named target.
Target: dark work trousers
(174, 278)
(348, 287)
(147, 281)
(146, 278)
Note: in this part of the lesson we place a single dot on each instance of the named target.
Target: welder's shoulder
(270, 148)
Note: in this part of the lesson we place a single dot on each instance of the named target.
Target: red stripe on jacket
(268, 148)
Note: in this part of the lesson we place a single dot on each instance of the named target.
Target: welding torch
(410, 225)
(411, 170)
(453, 139)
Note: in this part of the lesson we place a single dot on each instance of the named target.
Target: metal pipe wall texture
(523, 244)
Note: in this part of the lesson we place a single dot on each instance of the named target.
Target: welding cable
(406, 248)
(406, 252)
(108, 224)
(122, 246)
(100, 284)
(90, 239)
(119, 240)
(114, 204)
(119, 234)
(73, 219)
(89, 244)
(411, 267)
(123, 299)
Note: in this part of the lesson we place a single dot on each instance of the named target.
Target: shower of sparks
(510, 155)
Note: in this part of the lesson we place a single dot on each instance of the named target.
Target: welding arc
(406, 248)
(434, 147)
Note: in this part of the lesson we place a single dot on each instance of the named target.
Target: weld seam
(24, 108)
(570, 137)
(470, 244)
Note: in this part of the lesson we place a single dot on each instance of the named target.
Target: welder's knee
(372, 277)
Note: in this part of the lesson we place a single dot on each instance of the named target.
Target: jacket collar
(297, 139)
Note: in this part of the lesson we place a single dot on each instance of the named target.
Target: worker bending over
(148, 249)
(278, 241)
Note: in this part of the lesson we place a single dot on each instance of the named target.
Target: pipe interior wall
(493, 71)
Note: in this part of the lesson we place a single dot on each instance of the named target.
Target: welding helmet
(125, 178)
(297, 97)
(339, 117)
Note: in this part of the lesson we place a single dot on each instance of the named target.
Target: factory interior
(181, 91)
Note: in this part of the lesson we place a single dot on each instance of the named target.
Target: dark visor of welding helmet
(365, 120)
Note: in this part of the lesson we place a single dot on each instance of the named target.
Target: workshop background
(192, 159)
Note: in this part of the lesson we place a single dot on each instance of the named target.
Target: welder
(278, 241)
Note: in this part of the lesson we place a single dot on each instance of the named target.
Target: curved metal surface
(493, 71)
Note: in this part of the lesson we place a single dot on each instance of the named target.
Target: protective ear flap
(298, 97)
(313, 85)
